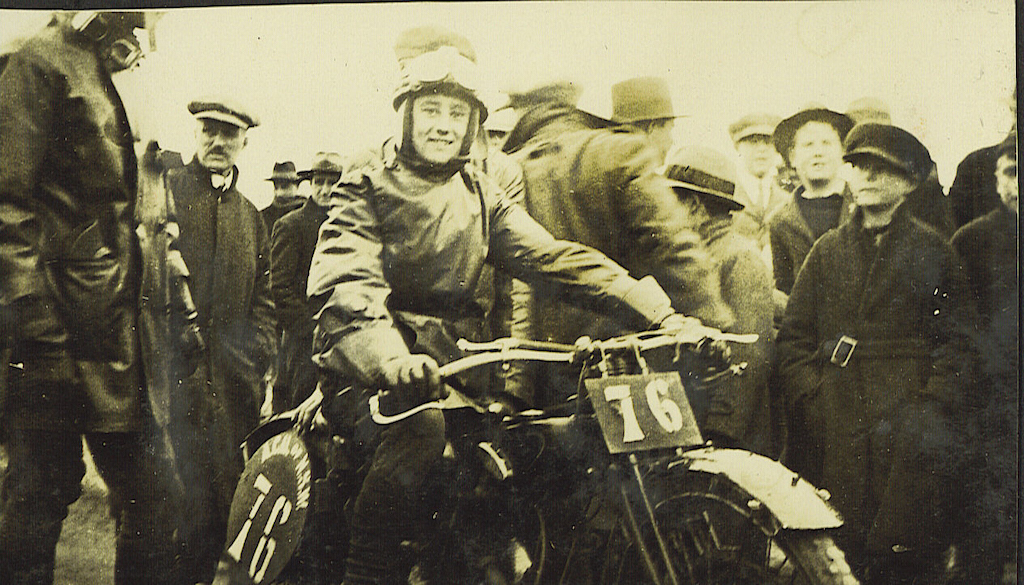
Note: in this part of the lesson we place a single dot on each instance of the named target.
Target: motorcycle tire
(716, 534)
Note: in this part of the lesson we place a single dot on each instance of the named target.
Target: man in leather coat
(394, 278)
(596, 185)
(69, 283)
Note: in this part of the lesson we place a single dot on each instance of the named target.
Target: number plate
(639, 413)
(268, 511)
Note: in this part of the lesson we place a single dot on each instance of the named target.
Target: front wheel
(716, 534)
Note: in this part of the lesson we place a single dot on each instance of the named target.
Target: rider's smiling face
(439, 125)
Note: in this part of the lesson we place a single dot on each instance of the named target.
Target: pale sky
(321, 77)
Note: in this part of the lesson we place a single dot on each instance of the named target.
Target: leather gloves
(415, 376)
(683, 324)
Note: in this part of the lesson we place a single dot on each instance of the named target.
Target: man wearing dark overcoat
(286, 196)
(973, 192)
(597, 186)
(874, 352)
(69, 291)
(226, 248)
(291, 251)
(988, 249)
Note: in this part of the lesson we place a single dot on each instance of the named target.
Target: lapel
(885, 265)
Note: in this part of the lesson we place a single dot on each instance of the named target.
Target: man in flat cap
(291, 251)
(760, 191)
(874, 354)
(645, 103)
(286, 193)
(928, 202)
(988, 249)
(811, 142)
(70, 287)
(225, 245)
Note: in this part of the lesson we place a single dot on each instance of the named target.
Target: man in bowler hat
(645, 103)
(225, 245)
(874, 355)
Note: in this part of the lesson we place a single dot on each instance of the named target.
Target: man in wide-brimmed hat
(811, 142)
(646, 104)
(874, 355)
(286, 195)
(736, 411)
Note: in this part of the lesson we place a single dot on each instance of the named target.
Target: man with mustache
(226, 247)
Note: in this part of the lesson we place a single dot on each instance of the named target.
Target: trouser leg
(384, 511)
(44, 478)
(140, 477)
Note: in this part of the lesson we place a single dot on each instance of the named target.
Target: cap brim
(718, 195)
(765, 131)
(880, 154)
(222, 117)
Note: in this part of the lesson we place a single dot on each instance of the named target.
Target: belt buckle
(843, 350)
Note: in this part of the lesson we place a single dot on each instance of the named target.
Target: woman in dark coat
(873, 354)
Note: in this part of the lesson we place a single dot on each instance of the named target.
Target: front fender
(794, 502)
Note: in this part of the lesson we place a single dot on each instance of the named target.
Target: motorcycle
(614, 486)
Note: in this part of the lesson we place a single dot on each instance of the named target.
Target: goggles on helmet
(441, 66)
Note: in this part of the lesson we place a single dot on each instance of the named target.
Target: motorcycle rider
(393, 280)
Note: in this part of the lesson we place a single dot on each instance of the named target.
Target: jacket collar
(559, 117)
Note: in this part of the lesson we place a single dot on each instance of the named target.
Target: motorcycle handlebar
(509, 349)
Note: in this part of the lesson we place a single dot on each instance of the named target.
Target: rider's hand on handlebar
(415, 374)
(683, 325)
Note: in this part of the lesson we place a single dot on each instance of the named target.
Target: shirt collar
(222, 182)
